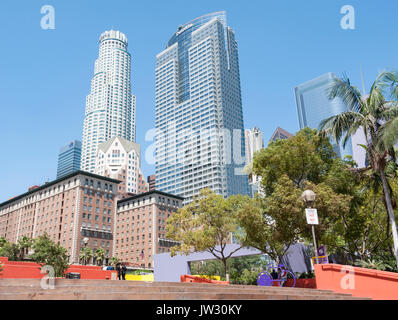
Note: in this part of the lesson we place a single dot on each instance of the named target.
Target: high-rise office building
(69, 158)
(120, 159)
(313, 106)
(199, 120)
(110, 106)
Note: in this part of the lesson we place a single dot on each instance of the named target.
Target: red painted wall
(360, 282)
(31, 270)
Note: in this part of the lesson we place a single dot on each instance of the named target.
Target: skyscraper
(313, 106)
(199, 111)
(110, 106)
(69, 159)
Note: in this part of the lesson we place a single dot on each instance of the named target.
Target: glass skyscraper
(69, 159)
(110, 106)
(199, 121)
(313, 106)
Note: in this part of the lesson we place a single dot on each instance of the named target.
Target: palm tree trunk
(390, 211)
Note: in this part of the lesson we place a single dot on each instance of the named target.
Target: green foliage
(242, 270)
(85, 254)
(206, 224)
(24, 244)
(273, 224)
(10, 250)
(376, 264)
(47, 252)
(99, 255)
(305, 157)
(376, 114)
(114, 261)
(352, 217)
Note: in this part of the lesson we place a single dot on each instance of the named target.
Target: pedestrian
(124, 270)
(118, 269)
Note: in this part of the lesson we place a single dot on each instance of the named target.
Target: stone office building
(77, 206)
(140, 227)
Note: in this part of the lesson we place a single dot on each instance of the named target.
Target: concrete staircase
(70, 289)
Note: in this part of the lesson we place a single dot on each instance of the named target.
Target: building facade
(110, 106)
(140, 227)
(313, 106)
(69, 159)
(199, 119)
(77, 206)
(280, 133)
(151, 182)
(120, 159)
(253, 142)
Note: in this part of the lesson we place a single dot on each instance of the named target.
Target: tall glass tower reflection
(199, 120)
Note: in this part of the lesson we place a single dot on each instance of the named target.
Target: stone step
(143, 289)
(115, 290)
(165, 296)
(109, 283)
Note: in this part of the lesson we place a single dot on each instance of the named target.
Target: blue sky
(45, 74)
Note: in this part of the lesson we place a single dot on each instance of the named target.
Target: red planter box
(360, 282)
(31, 270)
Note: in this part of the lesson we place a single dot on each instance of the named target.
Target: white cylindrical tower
(110, 107)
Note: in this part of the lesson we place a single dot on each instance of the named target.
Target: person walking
(123, 271)
(118, 269)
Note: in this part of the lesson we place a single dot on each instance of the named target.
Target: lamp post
(308, 197)
(85, 241)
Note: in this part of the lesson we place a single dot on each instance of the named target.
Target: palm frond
(388, 81)
(389, 133)
(340, 124)
(350, 95)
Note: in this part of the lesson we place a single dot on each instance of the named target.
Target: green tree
(287, 168)
(100, 255)
(377, 115)
(10, 250)
(263, 232)
(47, 252)
(3, 241)
(85, 255)
(206, 224)
(304, 157)
(24, 244)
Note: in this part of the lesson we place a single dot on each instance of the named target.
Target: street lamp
(308, 197)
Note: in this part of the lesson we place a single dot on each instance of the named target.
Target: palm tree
(89, 253)
(100, 255)
(377, 115)
(24, 244)
(85, 255)
(82, 255)
(114, 261)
